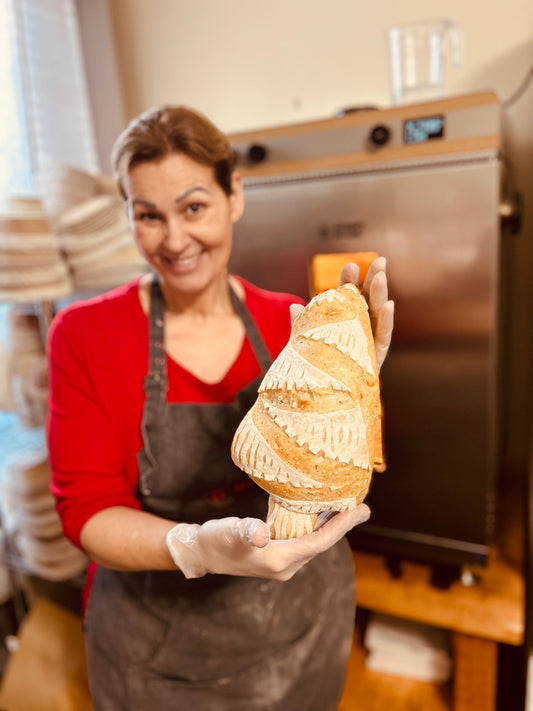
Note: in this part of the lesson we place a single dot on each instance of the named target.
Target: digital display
(423, 129)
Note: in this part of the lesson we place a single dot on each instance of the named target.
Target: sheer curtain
(15, 156)
(60, 104)
(46, 118)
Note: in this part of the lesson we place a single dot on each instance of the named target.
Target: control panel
(371, 131)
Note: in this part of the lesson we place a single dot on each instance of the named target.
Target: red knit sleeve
(85, 449)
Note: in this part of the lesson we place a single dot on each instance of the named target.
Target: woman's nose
(175, 234)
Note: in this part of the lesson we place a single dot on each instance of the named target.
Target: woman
(191, 605)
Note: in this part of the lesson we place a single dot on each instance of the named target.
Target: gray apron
(156, 640)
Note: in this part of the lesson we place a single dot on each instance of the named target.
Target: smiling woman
(148, 385)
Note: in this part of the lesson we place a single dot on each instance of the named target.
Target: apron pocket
(305, 672)
(224, 630)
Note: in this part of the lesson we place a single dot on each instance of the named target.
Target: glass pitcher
(417, 59)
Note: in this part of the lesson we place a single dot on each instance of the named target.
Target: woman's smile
(182, 263)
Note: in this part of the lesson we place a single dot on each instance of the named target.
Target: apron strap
(254, 336)
(155, 383)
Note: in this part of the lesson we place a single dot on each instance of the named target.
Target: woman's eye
(194, 208)
(148, 216)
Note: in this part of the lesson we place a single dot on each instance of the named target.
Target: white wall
(252, 63)
(103, 80)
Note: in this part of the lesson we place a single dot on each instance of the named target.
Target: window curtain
(48, 78)
(15, 155)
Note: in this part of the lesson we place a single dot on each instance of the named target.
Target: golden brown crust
(309, 439)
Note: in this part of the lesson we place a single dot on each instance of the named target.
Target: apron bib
(218, 643)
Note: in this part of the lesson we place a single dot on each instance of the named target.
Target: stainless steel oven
(419, 184)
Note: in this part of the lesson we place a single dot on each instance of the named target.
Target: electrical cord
(521, 89)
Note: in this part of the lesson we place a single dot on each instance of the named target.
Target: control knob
(379, 135)
(257, 153)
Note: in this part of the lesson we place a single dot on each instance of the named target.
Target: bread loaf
(309, 438)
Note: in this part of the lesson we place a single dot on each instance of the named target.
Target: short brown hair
(173, 129)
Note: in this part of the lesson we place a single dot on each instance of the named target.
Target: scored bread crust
(309, 439)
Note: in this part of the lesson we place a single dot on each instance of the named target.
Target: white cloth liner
(407, 648)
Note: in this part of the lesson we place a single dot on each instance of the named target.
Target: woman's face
(182, 220)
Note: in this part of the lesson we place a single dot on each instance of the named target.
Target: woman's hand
(242, 546)
(381, 310)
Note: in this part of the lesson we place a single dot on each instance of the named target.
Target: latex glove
(380, 308)
(242, 546)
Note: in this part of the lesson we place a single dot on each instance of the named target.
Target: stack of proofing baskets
(96, 239)
(92, 229)
(72, 241)
(31, 265)
(31, 523)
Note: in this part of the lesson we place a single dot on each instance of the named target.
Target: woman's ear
(236, 197)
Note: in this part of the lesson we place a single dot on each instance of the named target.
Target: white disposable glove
(380, 309)
(242, 546)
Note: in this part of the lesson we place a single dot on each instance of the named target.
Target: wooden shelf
(479, 617)
(492, 608)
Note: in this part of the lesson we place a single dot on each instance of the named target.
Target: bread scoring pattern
(309, 438)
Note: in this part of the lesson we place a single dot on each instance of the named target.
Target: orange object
(380, 464)
(326, 268)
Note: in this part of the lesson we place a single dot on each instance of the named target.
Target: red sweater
(98, 358)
